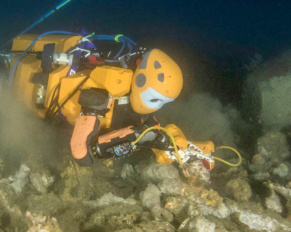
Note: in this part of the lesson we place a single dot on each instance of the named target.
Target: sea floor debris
(139, 194)
(75, 202)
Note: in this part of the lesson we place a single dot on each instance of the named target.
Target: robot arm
(87, 144)
(120, 143)
(87, 125)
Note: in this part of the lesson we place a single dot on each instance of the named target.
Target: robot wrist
(116, 144)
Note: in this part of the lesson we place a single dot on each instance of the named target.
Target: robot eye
(154, 100)
(157, 64)
(161, 77)
(140, 80)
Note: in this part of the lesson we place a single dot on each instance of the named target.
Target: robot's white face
(153, 99)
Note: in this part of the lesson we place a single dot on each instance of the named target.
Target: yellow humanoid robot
(109, 104)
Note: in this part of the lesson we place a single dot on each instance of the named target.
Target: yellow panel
(54, 79)
(68, 84)
(106, 122)
(72, 108)
(116, 81)
(63, 42)
(23, 89)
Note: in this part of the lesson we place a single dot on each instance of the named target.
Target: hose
(226, 162)
(29, 47)
(168, 133)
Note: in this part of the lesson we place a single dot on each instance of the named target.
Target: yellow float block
(62, 42)
(116, 81)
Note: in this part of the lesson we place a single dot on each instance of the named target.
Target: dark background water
(228, 32)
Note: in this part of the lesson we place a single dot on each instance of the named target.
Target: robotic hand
(194, 152)
(186, 151)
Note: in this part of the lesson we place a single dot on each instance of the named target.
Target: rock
(77, 183)
(275, 100)
(201, 224)
(258, 159)
(257, 220)
(171, 186)
(109, 199)
(122, 221)
(41, 181)
(161, 214)
(205, 202)
(221, 212)
(40, 223)
(109, 223)
(95, 220)
(150, 226)
(271, 158)
(210, 198)
(260, 176)
(239, 189)
(273, 202)
(8, 207)
(264, 167)
(118, 209)
(260, 223)
(273, 145)
(46, 204)
(150, 197)
(288, 209)
(282, 170)
(20, 179)
(155, 172)
(266, 93)
(127, 171)
(175, 204)
(284, 191)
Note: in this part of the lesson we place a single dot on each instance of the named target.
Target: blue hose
(29, 47)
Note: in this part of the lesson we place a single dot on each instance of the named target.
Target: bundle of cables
(126, 43)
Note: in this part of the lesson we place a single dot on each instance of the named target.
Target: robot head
(156, 81)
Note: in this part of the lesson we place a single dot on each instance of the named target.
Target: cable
(126, 42)
(71, 95)
(168, 133)
(228, 163)
(54, 101)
